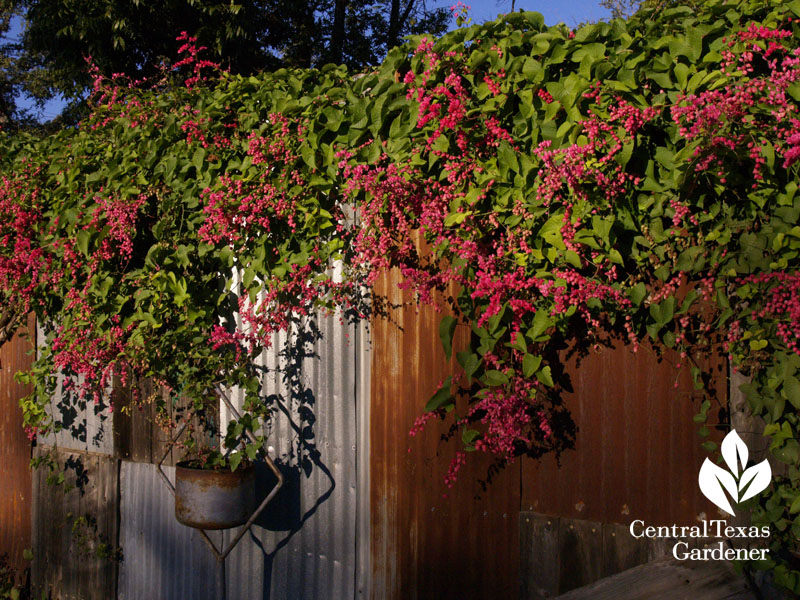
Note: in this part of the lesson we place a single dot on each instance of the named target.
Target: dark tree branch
(397, 22)
(337, 35)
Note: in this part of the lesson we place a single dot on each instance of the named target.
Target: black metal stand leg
(221, 591)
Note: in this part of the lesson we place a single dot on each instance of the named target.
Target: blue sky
(570, 12)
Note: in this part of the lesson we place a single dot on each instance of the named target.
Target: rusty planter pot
(214, 499)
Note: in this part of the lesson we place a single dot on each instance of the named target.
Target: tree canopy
(135, 37)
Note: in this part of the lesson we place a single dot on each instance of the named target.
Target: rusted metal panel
(15, 451)
(637, 455)
(428, 541)
(75, 528)
(637, 452)
(164, 560)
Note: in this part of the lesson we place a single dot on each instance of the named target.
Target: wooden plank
(668, 579)
(580, 553)
(539, 563)
(559, 554)
(76, 532)
(123, 423)
(138, 431)
(621, 551)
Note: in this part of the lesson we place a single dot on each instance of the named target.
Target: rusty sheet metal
(84, 425)
(428, 541)
(164, 560)
(637, 453)
(15, 452)
(307, 542)
(75, 528)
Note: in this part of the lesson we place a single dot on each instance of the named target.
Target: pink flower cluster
(781, 304)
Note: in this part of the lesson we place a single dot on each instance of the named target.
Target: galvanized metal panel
(15, 452)
(164, 560)
(306, 544)
(363, 381)
(75, 528)
(84, 425)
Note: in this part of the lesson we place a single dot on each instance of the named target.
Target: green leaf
(470, 363)
(496, 378)
(234, 460)
(197, 159)
(447, 327)
(530, 364)
(519, 343)
(251, 450)
(82, 241)
(545, 376)
(468, 436)
(541, 322)
(456, 218)
(442, 397)
(248, 276)
(573, 258)
(792, 388)
(637, 293)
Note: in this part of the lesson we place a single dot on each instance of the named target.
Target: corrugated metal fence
(364, 512)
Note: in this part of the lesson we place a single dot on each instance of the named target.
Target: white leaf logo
(740, 482)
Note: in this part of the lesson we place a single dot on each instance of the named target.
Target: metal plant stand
(221, 554)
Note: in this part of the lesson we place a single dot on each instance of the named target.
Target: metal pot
(208, 499)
